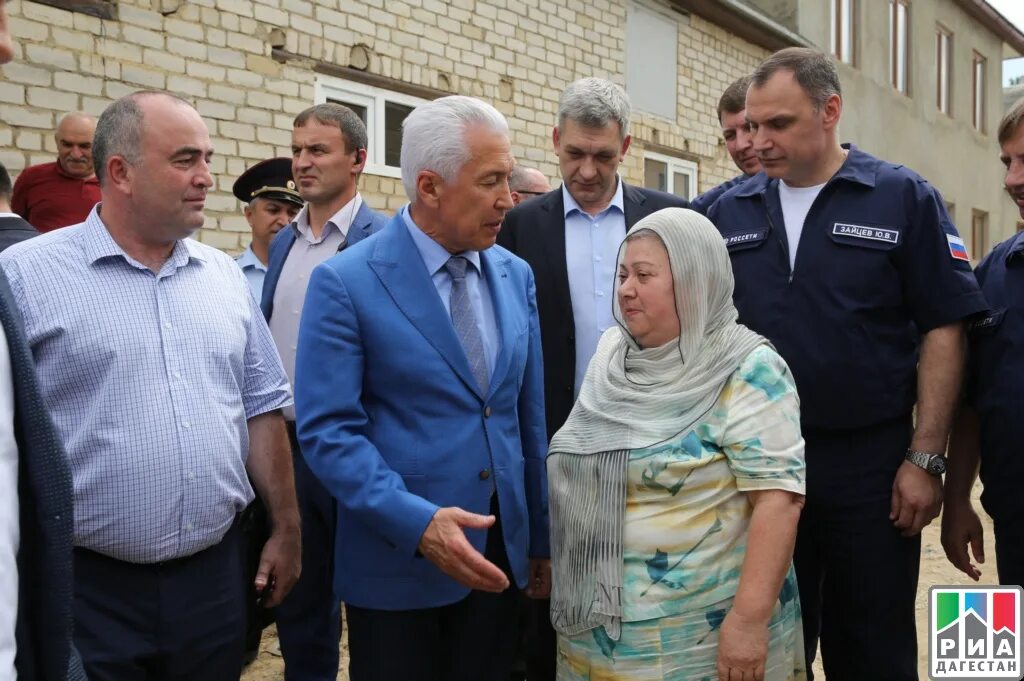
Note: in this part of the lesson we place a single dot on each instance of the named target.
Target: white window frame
(979, 74)
(899, 45)
(944, 69)
(675, 164)
(374, 99)
(844, 30)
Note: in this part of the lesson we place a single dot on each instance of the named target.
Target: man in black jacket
(12, 227)
(571, 237)
(36, 522)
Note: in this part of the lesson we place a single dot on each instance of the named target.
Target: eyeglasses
(523, 191)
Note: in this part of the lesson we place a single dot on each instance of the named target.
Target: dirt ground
(935, 570)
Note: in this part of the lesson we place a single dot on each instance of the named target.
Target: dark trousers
(541, 645)
(857, 575)
(471, 640)
(183, 619)
(309, 618)
(1009, 551)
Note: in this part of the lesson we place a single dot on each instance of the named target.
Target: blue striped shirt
(150, 379)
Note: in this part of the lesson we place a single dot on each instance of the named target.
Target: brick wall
(517, 54)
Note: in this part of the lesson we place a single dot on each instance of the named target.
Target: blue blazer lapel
(401, 271)
(279, 248)
(496, 271)
(361, 226)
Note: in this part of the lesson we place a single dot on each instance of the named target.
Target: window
(978, 93)
(383, 112)
(844, 34)
(899, 44)
(943, 73)
(102, 9)
(670, 174)
(979, 234)
(652, 58)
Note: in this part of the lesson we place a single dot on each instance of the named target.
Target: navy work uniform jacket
(996, 383)
(703, 202)
(879, 264)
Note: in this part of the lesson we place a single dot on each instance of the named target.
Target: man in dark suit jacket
(571, 237)
(328, 155)
(42, 547)
(12, 227)
(43, 631)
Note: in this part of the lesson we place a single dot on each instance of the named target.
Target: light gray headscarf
(632, 398)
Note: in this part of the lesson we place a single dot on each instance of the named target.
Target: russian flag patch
(957, 249)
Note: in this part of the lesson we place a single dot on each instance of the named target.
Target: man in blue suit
(328, 155)
(420, 405)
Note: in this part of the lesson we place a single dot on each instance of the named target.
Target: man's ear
(360, 163)
(831, 112)
(625, 147)
(119, 174)
(429, 188)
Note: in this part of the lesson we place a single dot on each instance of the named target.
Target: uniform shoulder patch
(957, 248)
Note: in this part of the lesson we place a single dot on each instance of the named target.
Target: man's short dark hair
(119, 130)
(353, 130)
(734, 99)
(815, 72)
(5, 184)
(1011, 121)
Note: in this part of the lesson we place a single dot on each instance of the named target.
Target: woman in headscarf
(677, 482)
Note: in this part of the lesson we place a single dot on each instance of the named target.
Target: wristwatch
(933, 463)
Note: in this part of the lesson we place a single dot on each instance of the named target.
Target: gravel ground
(935, 570)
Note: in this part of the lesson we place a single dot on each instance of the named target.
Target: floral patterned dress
(687, 519)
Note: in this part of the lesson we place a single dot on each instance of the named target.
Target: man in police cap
(851, 266)
(271, 203)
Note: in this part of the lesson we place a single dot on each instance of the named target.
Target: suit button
(568, 389)
(487, 412)
(484, 474)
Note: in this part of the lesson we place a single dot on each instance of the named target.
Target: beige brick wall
(517, 54)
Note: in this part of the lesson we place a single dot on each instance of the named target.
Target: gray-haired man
(570, 237)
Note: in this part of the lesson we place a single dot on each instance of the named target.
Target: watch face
(937, 465)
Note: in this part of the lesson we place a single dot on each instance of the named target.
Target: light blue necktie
(465, 322)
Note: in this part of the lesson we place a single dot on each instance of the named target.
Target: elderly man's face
(267, 217)
(1012, 156)
(589, 158)
(169, 185)
(74, 145)
(6, 45)
(646, 293)
(472, 207)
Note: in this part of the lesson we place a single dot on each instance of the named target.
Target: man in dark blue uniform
(739, 143)
(988, 429)
(853, 269)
